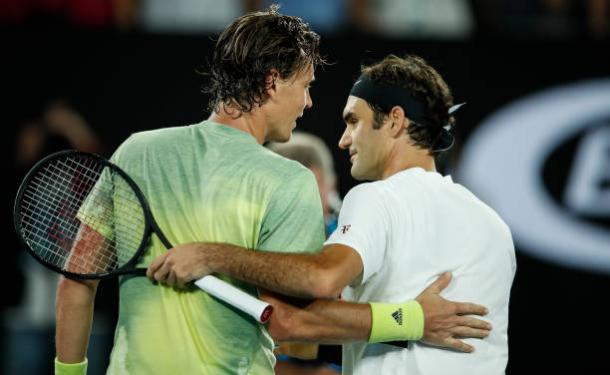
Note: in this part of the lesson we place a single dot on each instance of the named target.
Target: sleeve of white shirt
(363, 226)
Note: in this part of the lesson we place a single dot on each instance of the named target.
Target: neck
(249, 122)
(403, 157)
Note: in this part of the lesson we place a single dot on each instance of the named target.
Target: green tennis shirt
(208, 182)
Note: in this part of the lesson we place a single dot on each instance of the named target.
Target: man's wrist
(79, 368)
(209, 253)
(396, 321)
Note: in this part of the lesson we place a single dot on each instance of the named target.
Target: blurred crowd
(424, 19)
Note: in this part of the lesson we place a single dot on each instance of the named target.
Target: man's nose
(346, 139)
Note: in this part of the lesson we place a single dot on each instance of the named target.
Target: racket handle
(259, 310)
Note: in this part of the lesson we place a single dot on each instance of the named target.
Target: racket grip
(259, 310)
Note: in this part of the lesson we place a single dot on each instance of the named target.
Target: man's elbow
(76, 290)
(332, 269)
(327, 285)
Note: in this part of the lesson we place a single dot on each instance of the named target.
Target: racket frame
(150, 225)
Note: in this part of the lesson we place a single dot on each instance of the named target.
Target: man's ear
(270, 79)
(399, 121)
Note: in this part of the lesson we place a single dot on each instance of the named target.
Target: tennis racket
(82, 216)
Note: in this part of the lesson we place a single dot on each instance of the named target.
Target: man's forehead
(354, 105)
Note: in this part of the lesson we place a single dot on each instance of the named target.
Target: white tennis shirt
(408, 229)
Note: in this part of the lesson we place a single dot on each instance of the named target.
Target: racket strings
(81, 216)
(54, 235)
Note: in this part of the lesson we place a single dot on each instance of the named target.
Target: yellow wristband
(396, 321)
(70, 368)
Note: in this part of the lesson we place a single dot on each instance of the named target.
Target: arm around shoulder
(318, 275)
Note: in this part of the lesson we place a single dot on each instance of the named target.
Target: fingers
(466, 332)
(177, 266)
(474, 323)
(162, 274)
(448, 331)
(171, 278)
(156, 264)
(439, 284)
(459, 345)
(466, 308)
(159, 270)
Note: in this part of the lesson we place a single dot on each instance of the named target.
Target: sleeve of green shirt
(108, 202)
(96, 209)
(294, 220)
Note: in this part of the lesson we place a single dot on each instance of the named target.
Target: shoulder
(370, 197)
(370, 191)
(161, 134)
(402, 191)
(151, 137)
(475, 207)
(365, 188)
(154, 142)
(281, 166)
(271, 169)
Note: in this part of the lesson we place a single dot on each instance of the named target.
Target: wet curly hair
(249, 48)
(426, 85)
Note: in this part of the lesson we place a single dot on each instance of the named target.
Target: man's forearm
(319, 275)
(322, 321)
(74, 315)
(297, 275)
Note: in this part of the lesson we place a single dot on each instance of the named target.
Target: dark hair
(249, 48)
(425, 84)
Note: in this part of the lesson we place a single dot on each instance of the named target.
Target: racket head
(80, 215)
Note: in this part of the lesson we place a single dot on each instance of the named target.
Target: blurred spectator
(312, 152)
(79, 13)
(59, 127)
(324, 16)
(429, 19)
(28, 327)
